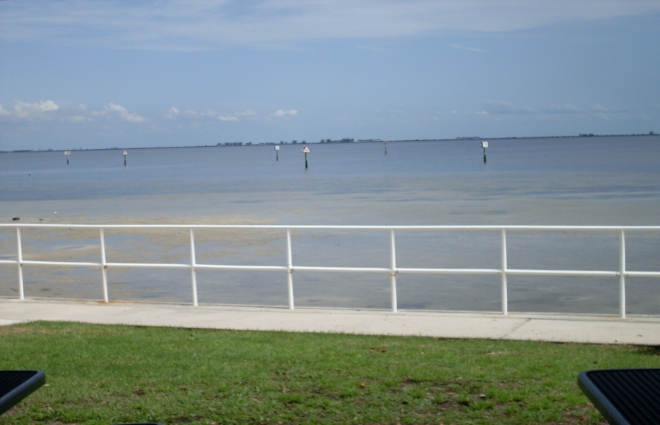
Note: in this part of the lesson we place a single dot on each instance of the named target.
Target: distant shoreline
(342, 141)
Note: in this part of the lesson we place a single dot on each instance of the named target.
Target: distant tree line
(234, 144)
(344, 140)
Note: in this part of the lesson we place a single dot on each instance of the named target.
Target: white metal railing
(393, 270)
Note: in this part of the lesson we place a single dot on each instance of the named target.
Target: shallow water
(564, 181)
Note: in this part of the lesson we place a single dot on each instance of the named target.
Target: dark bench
(624, 396)
(15, 385)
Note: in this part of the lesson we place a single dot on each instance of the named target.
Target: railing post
(505, 296)
(193, 265)
(289, 264)
(622, 276)
(19, 257)
(393, 272)
(104, 266)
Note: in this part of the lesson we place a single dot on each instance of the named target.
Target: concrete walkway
(557, 328)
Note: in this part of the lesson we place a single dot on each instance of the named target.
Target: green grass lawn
(99, 374)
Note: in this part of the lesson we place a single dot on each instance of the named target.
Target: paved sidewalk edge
(554, 328)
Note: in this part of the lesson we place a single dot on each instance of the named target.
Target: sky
(122, 73)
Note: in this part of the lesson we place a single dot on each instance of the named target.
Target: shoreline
(466, 139)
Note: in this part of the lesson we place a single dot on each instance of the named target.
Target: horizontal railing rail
(393, 270)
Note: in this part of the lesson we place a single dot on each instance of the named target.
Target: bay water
(553, 181)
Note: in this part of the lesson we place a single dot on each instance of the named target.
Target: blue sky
(123, 73)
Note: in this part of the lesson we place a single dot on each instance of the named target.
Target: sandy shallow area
(406, 202)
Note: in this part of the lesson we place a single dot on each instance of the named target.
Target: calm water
(596, 181)
(567, 181)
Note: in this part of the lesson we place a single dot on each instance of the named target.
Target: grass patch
(100, 374)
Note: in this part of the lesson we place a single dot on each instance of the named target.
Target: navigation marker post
(277, 153)
(306, 151)
(68, 154)
(125, 155)
(484, 145)
(385, 144)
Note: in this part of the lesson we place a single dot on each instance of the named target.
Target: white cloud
(194, 115)
(112, 109)
(46, 109)
(79, 118)
(597, 107)
(202, 24)
(510, 109)
(567, 108)
(469, 49)
(239, 116)
(28, 110)
(172, 113)
(281, 113)
(248, 113)
(507, 108)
